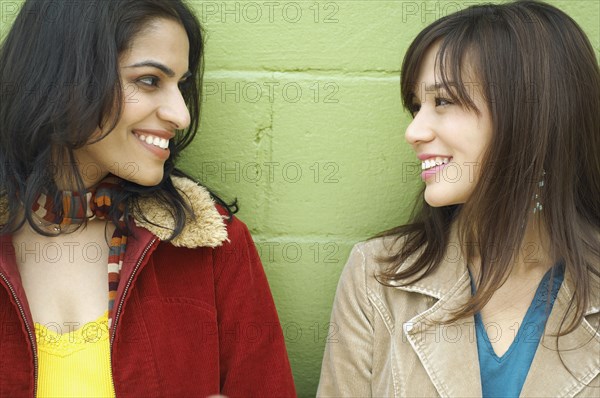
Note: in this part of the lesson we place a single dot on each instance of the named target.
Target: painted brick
(357, 32)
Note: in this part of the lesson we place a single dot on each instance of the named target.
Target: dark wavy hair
(60, 80)
(512, 49)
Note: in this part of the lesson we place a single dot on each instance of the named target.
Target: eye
(442, 102)
(149, 81)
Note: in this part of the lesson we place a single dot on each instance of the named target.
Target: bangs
(457, 63)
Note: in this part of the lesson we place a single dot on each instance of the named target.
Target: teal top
(504, 376)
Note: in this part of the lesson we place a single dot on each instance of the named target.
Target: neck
(68, 183)
(534, 255)
(535, 252)
(64, 178)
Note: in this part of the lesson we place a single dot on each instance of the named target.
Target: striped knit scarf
(98, 202)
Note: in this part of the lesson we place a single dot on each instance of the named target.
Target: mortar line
(263, 154)
(258, 237)
(250, 75)
(269, 154)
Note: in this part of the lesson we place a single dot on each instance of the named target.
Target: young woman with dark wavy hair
(119, 274)
(493, 287)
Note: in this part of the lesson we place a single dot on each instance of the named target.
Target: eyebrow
(165, 69)
(438, 85)
(430, 88)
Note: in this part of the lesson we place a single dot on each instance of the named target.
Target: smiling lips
(432, 162)
(156, 141)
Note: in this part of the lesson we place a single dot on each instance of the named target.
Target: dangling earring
(537, 198)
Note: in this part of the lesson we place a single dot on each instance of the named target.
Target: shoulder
(238, 234)
(370, 260)
(380, 247)
(235, 227)
(367, 260)
(376, 251)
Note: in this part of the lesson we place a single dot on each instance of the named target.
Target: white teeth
(157, 141)
(432, 162)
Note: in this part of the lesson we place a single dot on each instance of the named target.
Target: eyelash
(153, 78)
(156, 80)
(439, 99)
(414, 108)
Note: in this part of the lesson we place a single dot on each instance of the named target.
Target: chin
(436, 203)
(150, 183)
(146, 180)
(434, 200)
(439, 199)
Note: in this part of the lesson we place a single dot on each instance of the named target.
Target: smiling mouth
(162, 143)
(433, 162)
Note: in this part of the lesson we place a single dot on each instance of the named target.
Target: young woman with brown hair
(493, 287)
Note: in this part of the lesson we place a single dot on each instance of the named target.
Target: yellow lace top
(74, 363)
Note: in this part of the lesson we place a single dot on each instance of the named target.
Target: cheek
(136, 105)
(132, 114)
(130, 92)
(130, 111)
(472, 140)
(485, 129)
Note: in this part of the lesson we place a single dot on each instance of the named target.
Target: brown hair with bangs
(540, 79)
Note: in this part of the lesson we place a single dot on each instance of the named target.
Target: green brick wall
(302, 122)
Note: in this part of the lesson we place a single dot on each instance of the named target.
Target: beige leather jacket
(382, 343)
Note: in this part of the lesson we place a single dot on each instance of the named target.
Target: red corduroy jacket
(193, 317)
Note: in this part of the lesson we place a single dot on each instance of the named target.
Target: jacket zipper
(120, 306)
(31, 337)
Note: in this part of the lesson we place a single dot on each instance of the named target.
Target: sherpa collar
(207, 229)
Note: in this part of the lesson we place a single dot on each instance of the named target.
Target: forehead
(427, 77)
(161, 40)
(449, 76)
(427, 69)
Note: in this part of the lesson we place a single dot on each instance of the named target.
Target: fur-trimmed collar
(207, 229)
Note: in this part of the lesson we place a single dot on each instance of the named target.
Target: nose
(174, 110)
(420, 129)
